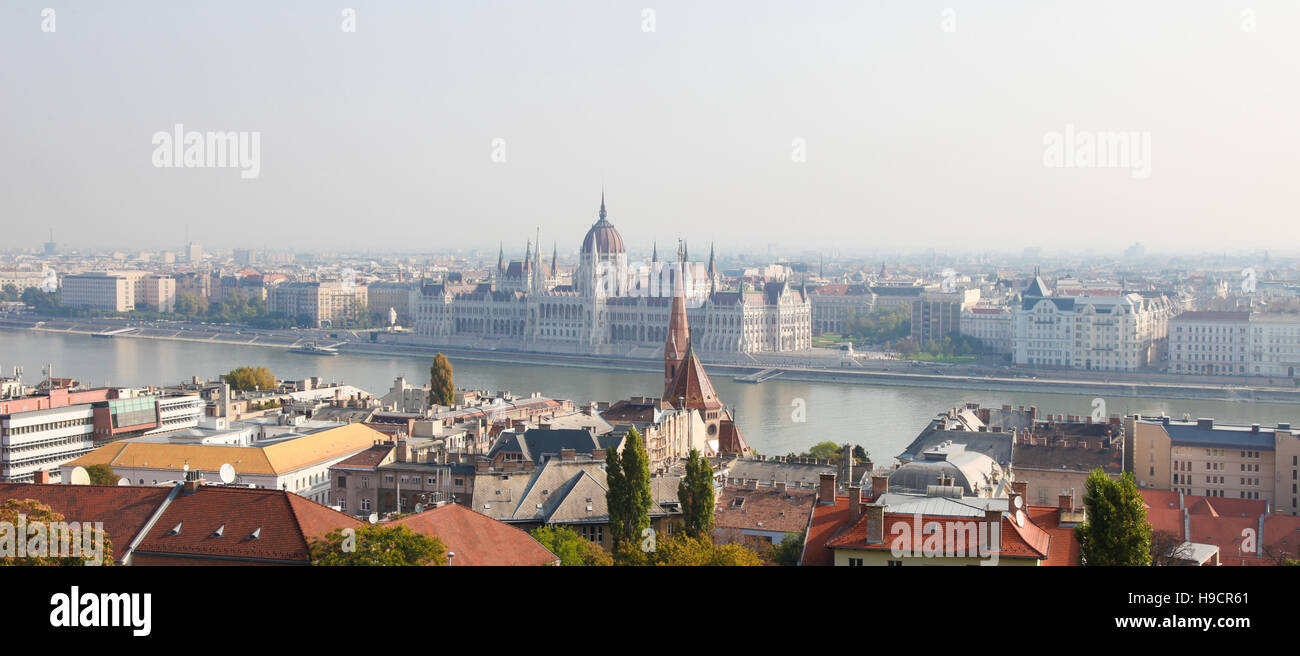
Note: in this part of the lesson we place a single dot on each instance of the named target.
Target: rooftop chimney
(1205, 422)
(826, 493)
(875, 523)
(855, 504)
(41, 477)
(598, 454)
(1065, 501)
(879, 486)
(192, 482)
(1021, 488)
(993, 518)
(568, 455)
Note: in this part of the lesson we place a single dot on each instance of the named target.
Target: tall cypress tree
(629, 497)
(442, 391)
(615, 496)
(695, 492)
(1115, 531)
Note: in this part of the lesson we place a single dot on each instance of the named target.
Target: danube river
(882, 419)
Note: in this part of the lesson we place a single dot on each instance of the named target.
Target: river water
(883, 419)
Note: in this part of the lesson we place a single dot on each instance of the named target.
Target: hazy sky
(920, 127)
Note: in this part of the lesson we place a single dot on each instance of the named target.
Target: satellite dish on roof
(79, 476)
(123, 481)
(227, 473)
(373, 518)
(1018, 502)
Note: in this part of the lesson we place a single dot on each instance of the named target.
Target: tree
(1168, 549)
(860, 454)
(37, 513)
(628, 495)
(1116, 531)
(682, 550)
(572, 549)
(374, 544)
(789, 551)
(824, 450)
(696, 494)
(247, 379)
(442, 391)
(101, 474)
(12, 293)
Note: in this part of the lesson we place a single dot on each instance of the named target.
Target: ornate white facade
(611, 307)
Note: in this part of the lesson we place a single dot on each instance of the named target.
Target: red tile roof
(1227, 524)
(827, 521)
(764, 509)
(478, 539)
(1042, 537)
(124, 510)
(286, 522)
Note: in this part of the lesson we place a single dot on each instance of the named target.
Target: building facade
(322, 303)
(1210, 343)
(989, 324)
(1124, 332)
(1215, 460)
(98, 291)
(610, 307)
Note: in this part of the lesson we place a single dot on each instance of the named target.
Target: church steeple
(555, 258)
(678, 342)
(501, 258)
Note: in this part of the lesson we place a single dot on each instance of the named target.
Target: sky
(807, 125)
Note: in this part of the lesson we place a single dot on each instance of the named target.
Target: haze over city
(830, 125)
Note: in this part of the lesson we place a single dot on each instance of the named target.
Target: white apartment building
(1210, 343)
(1125, 332)
(989, 324)
(1274, 344)
(99, 291)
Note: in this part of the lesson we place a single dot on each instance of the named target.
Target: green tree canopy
(247, 379)
(102, 474)
(442, 390)
(35, 511)
(628, 496)
(696, 494)
(1116, 531)
(682, 550)
(789, 551)
(572, 549)
(374, 544)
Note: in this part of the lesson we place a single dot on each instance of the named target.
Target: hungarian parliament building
(609, 307)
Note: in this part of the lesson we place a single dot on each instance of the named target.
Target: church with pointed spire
(609, 305)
